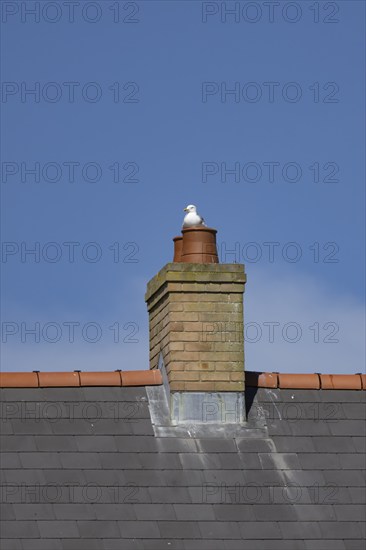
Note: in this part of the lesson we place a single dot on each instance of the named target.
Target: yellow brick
(192, 326)
(229, 386)
(197, 346)
(199, 306)
(184, 376)
(176, 346)
(215, 376)
(200, 386)
(201, 366)
(183, 316)
(229, 366)
(228, 346)
(184, 336)
(176, 306)
(237, 376)
(177, 386)
(176, 326)
(184, 355)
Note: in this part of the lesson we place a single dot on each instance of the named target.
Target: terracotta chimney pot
(199, 245)
(178, 245)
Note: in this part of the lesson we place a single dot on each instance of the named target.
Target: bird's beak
(185, 210)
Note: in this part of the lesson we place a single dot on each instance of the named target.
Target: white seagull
(192, 218)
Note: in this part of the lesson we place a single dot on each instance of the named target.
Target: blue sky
(131, 119)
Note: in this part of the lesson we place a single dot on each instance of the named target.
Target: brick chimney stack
(196, 318)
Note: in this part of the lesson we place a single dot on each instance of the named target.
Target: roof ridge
(317, 381)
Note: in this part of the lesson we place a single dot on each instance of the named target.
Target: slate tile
(42, 544)
(7, 428)
(153, 512)
(29, 511)
(265, 545)
(17, 443)
(354, 411)
(233, 512)
(191, 512)
(294, 444)
(196, 544)
(299, 395)
(11, 544)
(310, 428)
(40, 460)
(104, 477)
(277, 427)
(109, 427)
(75, 427)
(357, 495)
(142, 426)
(24, 477)
(279, 461)
(9, 460)
(174, 494)
(7, 510)
(249, 461)
(58, 529)
(100, 443)
(20, 394)
(160, 461)
(216, 445)
(324, 544)
(123, 461)
(136, 444)
(120, 511)
(300, 530)
(274, 512)
(55, 443)
(268, 530)
(333, 444)
(19, 529)
(176, 478)
(264, 477)
(175, 445)
(340, 530)
(352, 461)
(178, 529)
(160, 544)
(60, 394)
(314, 512)
(82, 544)
(345, 478)
(70, 511)
(359, 443)
(322, 461)
(228, 477)
(348, 428)
(64, 477)
(122, 544)
(305, 478)
(30, 426)
(254, 445)
(96, 493)
(352, 544)
(79, 460)
(343, 396)
(98, 529)
(350, 512)
(139, 529)
(200, 461)
(127, 394)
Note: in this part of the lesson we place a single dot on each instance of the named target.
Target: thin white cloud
(277, 308)
(317, 331)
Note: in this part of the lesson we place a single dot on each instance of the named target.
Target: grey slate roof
(82, 469)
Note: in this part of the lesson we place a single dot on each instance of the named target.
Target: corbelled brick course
(196, 322)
